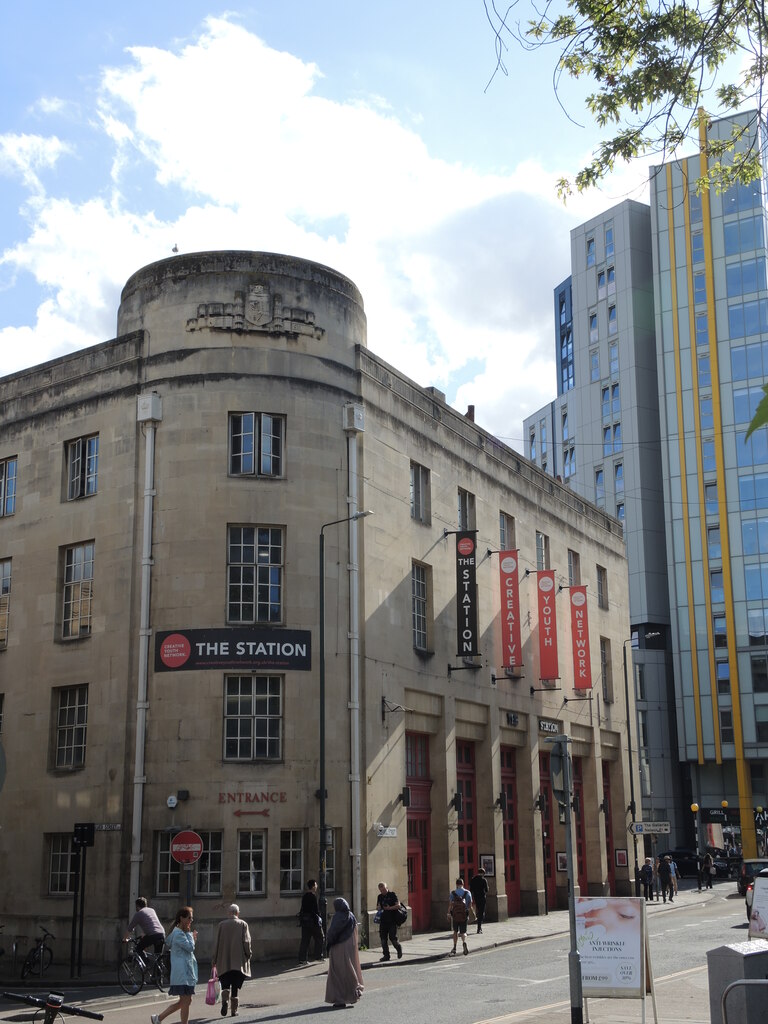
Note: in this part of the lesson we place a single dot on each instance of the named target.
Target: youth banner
(547, 625)
(582, 667)
(511, 643)
(466, 594)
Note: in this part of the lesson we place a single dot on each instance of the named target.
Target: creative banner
(582, 664)
(466, 594)
(548, 668)
(511, 641)
(246, 649)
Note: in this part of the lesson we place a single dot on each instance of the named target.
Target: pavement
(681, 997)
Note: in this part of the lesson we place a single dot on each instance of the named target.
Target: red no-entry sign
(186, 847)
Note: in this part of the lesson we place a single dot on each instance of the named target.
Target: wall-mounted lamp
(501, 802)
(456, 802)
(405, 796)
(604, 805)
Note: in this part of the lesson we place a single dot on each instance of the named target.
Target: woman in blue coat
(181, 943)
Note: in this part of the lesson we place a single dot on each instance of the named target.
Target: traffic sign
(186, 847)
(640, 828)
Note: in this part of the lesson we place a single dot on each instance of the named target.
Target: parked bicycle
(142, 965)
(39, 959)
(53, 1007)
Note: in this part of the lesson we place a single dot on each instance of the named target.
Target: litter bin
(739, 962)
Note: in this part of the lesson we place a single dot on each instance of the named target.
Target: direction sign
(640, 828)
(186, 847)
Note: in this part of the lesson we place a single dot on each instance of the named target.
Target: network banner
(582, 663)
(466, 594)
(548, 665)
(511, 641)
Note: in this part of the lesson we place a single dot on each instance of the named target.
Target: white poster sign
(610, 938)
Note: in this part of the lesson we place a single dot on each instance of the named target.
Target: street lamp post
(324, 844)
(632, 804)
(695, 811)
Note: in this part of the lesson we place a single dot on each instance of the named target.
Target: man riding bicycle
(147, 921)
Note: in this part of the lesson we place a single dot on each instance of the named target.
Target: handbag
(213, 991)
(401, 914)
(377, 917)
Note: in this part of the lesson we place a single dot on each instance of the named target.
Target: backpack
(459, 911)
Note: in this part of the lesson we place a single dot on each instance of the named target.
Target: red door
(608, 827)
(547, 838)
(578, 801)
(509, 829)
(418, 823)
(467, 786)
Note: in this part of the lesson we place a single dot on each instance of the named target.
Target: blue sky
(366, 137)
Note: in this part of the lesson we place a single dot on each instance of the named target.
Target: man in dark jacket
(311, 927)
(665, 878)
(478, 886)
(387, 903)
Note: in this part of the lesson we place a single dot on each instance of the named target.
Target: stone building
(181, 507)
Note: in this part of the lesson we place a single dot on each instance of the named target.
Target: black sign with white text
(466, 594)
(190, 649)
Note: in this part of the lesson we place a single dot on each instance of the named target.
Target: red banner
(511, 643)
(547, 625)
(582, 668)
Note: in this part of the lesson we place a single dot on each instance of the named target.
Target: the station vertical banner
(582, 662)
(511, 641)
(466, 594)
(548, 668)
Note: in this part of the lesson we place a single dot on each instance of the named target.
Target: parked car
(750, 868)
(687, 864)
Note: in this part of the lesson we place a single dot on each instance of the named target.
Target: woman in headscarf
(345, 978)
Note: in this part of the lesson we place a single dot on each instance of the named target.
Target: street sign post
(646, 828)
(187, 849)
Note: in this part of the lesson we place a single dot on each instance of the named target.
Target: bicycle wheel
(130, 975)
(36, 961)
(161, 972)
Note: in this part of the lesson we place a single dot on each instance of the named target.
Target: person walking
(646, 877)
(707, 870)
(675, 875)
(181, 943)
(478, 886)
(458, 910)
(232, 957)
(665, 878)
(388, 903)
(345, 977)
(656, 881)
(311, 924)
(148, 923)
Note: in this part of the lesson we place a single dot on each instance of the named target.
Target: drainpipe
(354, 423)
(149, 413)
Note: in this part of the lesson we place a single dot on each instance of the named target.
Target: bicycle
(138, 966)
(39, 959)
(53, 1007)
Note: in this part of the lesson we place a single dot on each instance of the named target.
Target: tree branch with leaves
(654, 67)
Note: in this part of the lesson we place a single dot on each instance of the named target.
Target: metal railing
(735, 984)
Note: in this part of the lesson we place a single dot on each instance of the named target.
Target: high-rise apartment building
(669, 320)
(601, 436)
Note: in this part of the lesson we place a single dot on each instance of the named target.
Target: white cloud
(456, 267)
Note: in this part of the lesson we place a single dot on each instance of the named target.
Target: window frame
(266, 575)
(61, 864)
(78, 571)
(9, 474)
(70, 728)
(420, 495)
(506, 531)
(291, 861)
(6, 576)
(263, 441)
(606, 670)
(265, 726)
(542, 552)
(422, 625)
(601, 574)
(255, 849)
(82, 466)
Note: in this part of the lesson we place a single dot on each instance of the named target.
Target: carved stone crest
(258, 310)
